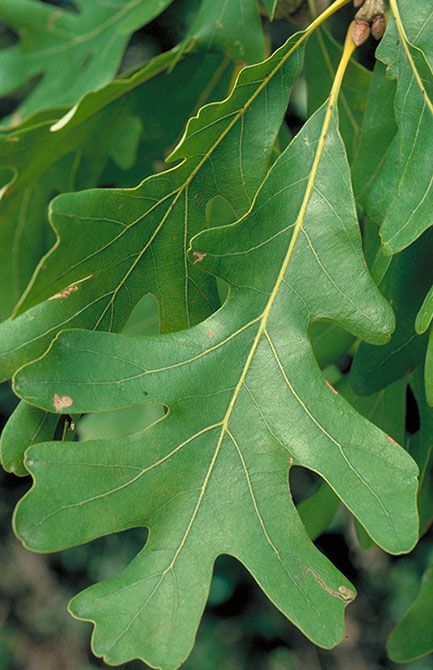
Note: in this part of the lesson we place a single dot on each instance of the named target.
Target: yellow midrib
(315, 24)
(349, 48)
(347, 53)
(405, 42)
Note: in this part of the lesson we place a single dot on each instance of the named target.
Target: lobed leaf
(134, 241)
(234, 28)
(413, 636)
(322, 56)
(73, 52)
(246, 400)
(143, 113)
(410, 211)
(405, 284)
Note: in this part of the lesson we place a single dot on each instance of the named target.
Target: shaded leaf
(26, 426)
(122, 244)
(421, 449)
(73, 156)
(374, 166)
(322, 56)
(86, 47)
(407, 50)
(318, 510)
(405, 283)
(413, 636)
(234, 28)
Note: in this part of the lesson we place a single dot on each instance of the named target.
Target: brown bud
(378, 27)
(360, 32)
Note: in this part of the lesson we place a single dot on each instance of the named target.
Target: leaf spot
(210, 333)
(342, 592)
(198, 256)
(329, 385)
(65, 293)
(346, 594)
(61, 401)
(391, 439)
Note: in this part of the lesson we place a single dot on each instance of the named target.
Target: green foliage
(74, 51)
(274, 257)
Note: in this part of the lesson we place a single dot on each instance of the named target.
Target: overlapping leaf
(122, 244)
(140, 116)
(398, 193)
(373, 183)
(74, 51)
(234, 28)
(26, 426)
(405, 284)
(321, 60)
(245, 400)
(413, 636)
(407, 49)
(386, 410)
(420, 446)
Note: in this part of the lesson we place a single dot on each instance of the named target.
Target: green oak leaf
(386, 410)
(124, 243)
(405, 283)
(318, 510)
(407, 49)
(322, 55)
(420, 448)
(329, 342)
(144, 113)
(269, 6)
(374, 168)
(234, 28)
(75, 52)
(422, 326)
(412, 638)
(27, 425)
(245, 400)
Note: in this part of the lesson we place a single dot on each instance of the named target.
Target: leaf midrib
(238, 115)
(263, 319)
(405, 42)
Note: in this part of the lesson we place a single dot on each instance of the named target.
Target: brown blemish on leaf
(12, 138)
(61, 401)
(210, 333)
(65, 293)
(391, 439)
(343, 593)
(334, 390)
(346, 594)
(198, 256)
